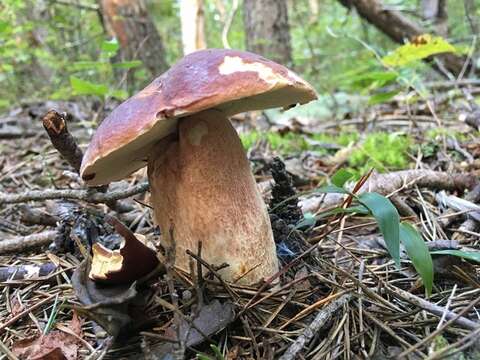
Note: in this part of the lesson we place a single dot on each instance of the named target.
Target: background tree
(193, 25)
(267, 29)
(129, 22)
(400, 28)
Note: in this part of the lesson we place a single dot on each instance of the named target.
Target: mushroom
(200, 178)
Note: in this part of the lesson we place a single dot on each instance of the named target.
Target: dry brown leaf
(56, 345)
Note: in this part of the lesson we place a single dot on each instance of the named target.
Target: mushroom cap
(230, 81)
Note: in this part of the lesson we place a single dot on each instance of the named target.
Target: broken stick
(56, 126)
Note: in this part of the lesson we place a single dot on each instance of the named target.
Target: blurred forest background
(398, 92)
(100, 52)
(56, 49)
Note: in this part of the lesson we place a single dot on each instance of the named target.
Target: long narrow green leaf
(84, 87)
(331, 189)
(417, 251)
(388, 221)
(341, 177)
(468, 255)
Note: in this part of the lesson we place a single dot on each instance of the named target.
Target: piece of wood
(56, 126)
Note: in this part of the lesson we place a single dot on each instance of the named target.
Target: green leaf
(423, 47)
(127, 64)
(87, 65)
(382, 97)
(388, 221)
(358, 209)
(373, 79)
(217, 352)
(119, 94)
(331, 189)
(417, 251)
(84, 87)
(468, 255)
(4, 26)
(110, 46)
(308, 221)
(341, 177)
(203, 357)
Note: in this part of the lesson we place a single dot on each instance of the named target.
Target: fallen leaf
(56, 345)
(209, 320)
(112, 307)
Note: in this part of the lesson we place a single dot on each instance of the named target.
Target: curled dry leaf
(131, 262)
(56, 345)
(109, 306)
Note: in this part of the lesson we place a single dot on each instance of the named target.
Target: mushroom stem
(202, 185)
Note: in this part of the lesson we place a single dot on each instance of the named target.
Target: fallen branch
(433, 308)
(21, 243)
(386, 184)
(91, 196)
(316, 325)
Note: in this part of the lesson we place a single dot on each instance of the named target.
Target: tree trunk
(128, 21)
(267, 29)
(399, 28)
(436, 11)
(193, 25)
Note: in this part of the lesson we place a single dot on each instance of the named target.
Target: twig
(20, 243)
(56, 126)
(25, 312)
(90, 196)
(433, 309)
(316, 325)
(438, 331)
(4, 349)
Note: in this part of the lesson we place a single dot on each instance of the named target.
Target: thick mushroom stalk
(202, 186)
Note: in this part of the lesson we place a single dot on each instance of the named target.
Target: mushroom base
(202, 188)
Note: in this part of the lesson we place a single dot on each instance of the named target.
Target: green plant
(218, 354)
(382, 151)
(394, 232)
(102, 69)
(286, 143)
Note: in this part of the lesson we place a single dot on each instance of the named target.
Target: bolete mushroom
(200, 179)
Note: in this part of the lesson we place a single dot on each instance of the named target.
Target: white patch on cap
(233, 64)
(196, 133)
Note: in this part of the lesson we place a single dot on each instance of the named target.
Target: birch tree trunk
(267, 29)
(193, 25)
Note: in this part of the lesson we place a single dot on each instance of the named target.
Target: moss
(381, 151)
(287, 143)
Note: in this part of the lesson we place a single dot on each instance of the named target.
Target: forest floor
(340, 295)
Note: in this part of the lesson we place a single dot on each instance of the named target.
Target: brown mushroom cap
(228, 80)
